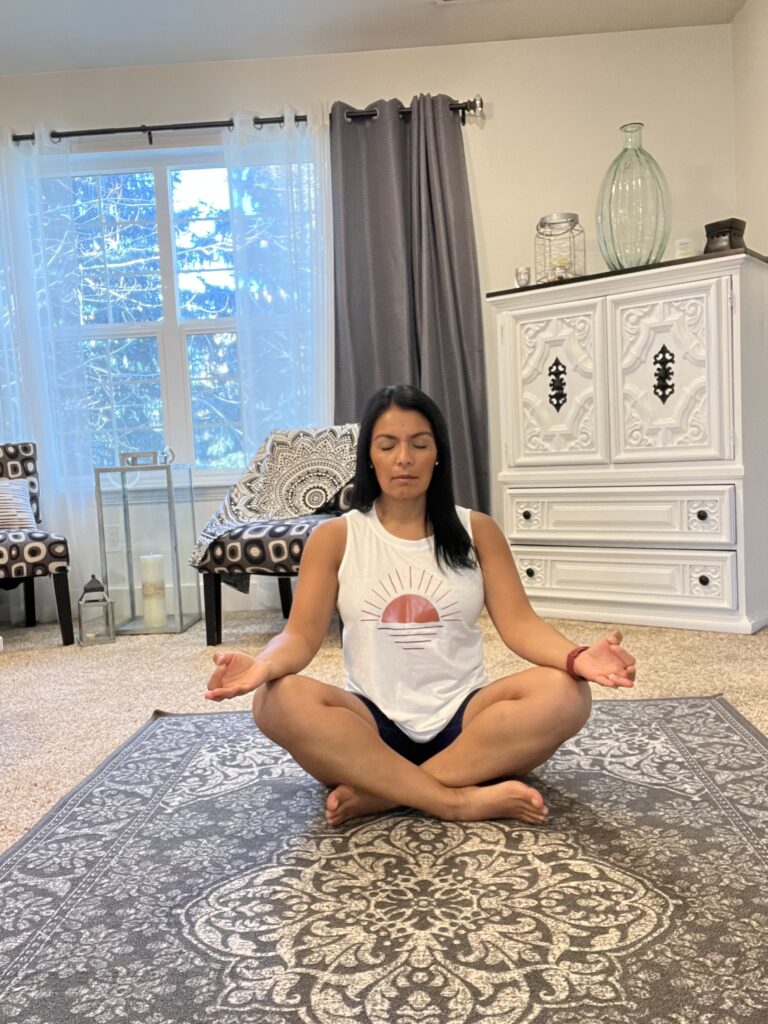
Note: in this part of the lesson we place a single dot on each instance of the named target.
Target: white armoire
(634, 443)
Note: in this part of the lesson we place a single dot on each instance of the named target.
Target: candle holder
(146, 517)
(95, 615)
(559, 247)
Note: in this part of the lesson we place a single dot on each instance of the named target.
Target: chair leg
(63, 607)
(30, 613)
(286, 594)
(212, 602)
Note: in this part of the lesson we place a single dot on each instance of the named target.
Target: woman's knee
(275, 706)
(571, 699)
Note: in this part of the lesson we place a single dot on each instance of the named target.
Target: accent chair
(27, 551)
(297, 480)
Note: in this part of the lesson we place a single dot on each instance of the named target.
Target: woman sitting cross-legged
(419, 723)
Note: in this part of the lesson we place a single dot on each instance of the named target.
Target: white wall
(750, 73)
(553, 110)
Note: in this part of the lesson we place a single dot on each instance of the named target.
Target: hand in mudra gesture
(235, 674)
(607, 663)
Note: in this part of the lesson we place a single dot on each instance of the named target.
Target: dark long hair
(453, 545)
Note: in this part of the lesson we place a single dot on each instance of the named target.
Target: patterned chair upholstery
(26, 554)
(297, 480)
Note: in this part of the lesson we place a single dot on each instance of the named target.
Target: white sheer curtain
(41, 259)
(279, 186)
(10, 340)
(279, 190)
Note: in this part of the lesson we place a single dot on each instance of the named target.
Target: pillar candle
(153, 589)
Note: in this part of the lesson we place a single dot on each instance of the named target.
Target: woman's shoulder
(484, 527)
(329, 538)
(332, 528)
(480, 519)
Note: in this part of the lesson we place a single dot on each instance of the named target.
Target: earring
(437, 462)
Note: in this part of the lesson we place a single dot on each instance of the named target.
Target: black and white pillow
(294, 473)
(303, 470)
(15, 506)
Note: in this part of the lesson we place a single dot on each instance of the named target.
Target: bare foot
(508, 799)
(345, 802)
(502, 800)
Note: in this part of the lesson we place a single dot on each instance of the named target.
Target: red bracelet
(570, 660)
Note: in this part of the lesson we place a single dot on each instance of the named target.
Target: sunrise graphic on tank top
(411, 607)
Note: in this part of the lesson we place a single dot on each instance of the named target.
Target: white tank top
(411, 640)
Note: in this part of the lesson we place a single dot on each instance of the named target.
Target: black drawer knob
(527, 514)
(704, 581)
(530, 573)
(702, 515)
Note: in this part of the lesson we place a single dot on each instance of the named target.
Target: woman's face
(403, 452)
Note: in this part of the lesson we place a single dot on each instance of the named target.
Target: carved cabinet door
(554, 387)
(672, 379)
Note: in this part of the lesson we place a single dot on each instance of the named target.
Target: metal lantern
(146, 516)
(95, 615)
(560, 250)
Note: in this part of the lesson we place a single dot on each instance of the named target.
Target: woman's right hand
(235, 674)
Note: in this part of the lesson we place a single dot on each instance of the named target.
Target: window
(144, 313)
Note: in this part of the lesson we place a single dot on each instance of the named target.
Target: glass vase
(633, 213)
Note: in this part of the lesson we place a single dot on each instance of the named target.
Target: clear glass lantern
(95, 615)
(560, 249)
(146, 519)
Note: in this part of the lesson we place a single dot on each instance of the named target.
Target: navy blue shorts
(394, 736)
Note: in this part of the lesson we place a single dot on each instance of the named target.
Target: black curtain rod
(150, 129)
(474, 106)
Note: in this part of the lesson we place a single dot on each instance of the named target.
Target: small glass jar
(560, 249)
(95, 615)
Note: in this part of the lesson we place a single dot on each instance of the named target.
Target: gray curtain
(406, 280)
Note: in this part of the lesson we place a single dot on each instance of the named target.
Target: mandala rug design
(192, 879)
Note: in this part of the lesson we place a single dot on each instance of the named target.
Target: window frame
(172, 331)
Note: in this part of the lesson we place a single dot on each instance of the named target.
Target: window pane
(285, 399)
(276, 239)
(202, 237)
(218, 448)
(214, 380)
(113, 275)
(205, 295)
(122, 384)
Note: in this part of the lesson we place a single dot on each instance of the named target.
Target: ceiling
(51, 35)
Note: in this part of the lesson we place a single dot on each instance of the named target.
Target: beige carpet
(63, 710)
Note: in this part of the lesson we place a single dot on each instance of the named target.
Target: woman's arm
(522, 630)
(313, 605)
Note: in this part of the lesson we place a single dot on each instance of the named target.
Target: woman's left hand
(607, 663)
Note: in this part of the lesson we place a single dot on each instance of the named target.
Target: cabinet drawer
(675, 516)
(643, 577)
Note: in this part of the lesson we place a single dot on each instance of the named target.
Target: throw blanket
(294, 473)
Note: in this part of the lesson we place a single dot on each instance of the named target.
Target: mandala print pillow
(294, 473)
(303, 470)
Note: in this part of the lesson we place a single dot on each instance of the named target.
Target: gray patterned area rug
(192, 879)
